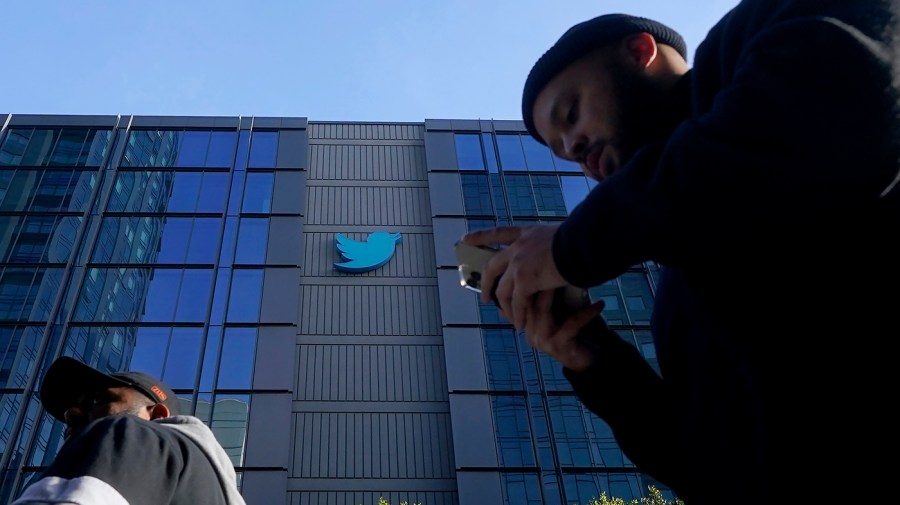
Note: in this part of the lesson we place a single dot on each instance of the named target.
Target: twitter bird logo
(369, 255)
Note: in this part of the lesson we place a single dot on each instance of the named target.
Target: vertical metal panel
(289, 190)
(285, 241)
(413, 257)
(265, 487)
(368, 206)
(267, 429)
(367, 162)
(446, 232)
(372, 498)
(457, 307)
(393, 449)
(479, 487)
(446, 194)
(369, 310)
(279, 297)
(292, 149)
(474, 440)
(275, 359)
(366, 131)
(418, 373)
(464, 351)
(441, 151)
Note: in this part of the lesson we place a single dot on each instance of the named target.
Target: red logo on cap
(159, 392)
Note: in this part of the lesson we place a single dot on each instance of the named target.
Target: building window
(476, 195)
(521, 489)
(144, 294)
(179, 148)
(502, 358)
(252, 237)
(263, 149)
(583, 439)
(468, 151)
(18, 348)
(548, 195)
(238, 354)
(45, 190)
(513, 435)
(511, 155)
(521, 197)
(583, 487)
(537, 155)
(28, 294)
(75, 147)
(258, 193)
(246, 296)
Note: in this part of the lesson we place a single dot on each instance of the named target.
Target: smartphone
(472, 260)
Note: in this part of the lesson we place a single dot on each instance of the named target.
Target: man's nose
(574, 145)
(74, 416)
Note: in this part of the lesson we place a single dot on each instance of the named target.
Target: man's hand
(560, 339)
(524, 268)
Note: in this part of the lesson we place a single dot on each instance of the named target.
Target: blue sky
(328, 60)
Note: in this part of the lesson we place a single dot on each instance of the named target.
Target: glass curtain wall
(153, 262)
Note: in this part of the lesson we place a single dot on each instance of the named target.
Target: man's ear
(640, 48)
(159, 411)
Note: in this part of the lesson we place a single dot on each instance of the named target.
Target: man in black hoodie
(126, 444)
(764, 180)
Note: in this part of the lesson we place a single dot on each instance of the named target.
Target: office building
(203, 250)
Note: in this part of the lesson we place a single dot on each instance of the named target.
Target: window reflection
(144, 294)
(511, 155)
(246, 296)
(45, 190)
(192, 152)
(228, 422)
(253, 235)
(582, 487)
(179, 148)
(537, 155)
(502, 359)
(263, 149)
(513, 435)
(76, 147)
(468, 151)
(520, 195)
(238, 354)
(476, 195)
(521, 489)
(574, 189)
(258, 192)
(38, 239)
(548, 195)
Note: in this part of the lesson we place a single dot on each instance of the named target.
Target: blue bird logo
(369, 255)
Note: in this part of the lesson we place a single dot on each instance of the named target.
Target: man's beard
(641, 117)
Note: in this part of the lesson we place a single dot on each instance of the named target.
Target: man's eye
(572, 114)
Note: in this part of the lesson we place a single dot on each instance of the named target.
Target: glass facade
(174, 250)
(135, 261)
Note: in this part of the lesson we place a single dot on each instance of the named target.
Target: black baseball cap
(68, 379)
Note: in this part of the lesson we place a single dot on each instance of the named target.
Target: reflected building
(201, 250)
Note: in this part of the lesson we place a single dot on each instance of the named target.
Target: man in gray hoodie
(127, 445)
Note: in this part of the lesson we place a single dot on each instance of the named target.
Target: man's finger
(498, 235)
(493, 272)
(573, 324)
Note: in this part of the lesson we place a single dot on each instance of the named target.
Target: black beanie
(580, 40)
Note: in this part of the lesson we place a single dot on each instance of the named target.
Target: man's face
(597, 112)
(104, 403)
